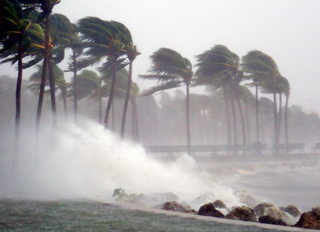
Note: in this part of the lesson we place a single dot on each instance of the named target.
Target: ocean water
(87, 162)
(23, 215)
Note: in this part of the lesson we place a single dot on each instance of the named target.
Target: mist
(89, 162)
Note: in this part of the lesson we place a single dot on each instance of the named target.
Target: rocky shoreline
(264, 213)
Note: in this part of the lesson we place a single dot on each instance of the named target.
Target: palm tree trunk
(136, 121)
(280, 117)
(100, 103)
(52, 91)
(43, 77)
(41, 94)
(235, 127)
(243, 127)
(110, 101)
(188, 118)
(75, 87)
(229, 139)
(126, 102)
(248, 124)
(286, 122)
(65, 107)
(18, 106)
(275, 122)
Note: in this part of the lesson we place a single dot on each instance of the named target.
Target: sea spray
(87, 161)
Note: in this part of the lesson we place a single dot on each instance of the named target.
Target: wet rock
(242, 213)
(175, 206)
(260, 209)
(219, 204)
(292, 210)
(210, 210)
(264, 209)
(267, 219)
(316, 209)
(310, 220)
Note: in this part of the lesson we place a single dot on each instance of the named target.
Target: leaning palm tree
(258, 65)
(171, 70)
(13, 43)
(46, 7)
(104, 41)
(219, 67)
(60, 81)
(132, 53)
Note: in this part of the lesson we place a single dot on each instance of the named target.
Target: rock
(316, 209)
(219, 204)
(310, 220)
(267, 219)
(267, 209)
(292, 210)
(260, 209)
(175, 206)
(210, 210)
(242, 213)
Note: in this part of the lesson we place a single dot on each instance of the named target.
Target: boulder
(260, 209)
(210, 210)
(219, 204)
(292, 210)
(242, 213)
(175, 206)
(310, 220)
(267, 219)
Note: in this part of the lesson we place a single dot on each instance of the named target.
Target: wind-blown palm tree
(13, 27)
(104, 40)
(60, 82)
(171, 70)
(256, 64)
(219, 67)
(46, 7)
(132, 53)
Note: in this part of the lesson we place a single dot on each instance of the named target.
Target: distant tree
(256, 64)
(171, 70)
(104, 39)
(219, 67)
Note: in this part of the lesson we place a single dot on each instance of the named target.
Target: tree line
(31, 35)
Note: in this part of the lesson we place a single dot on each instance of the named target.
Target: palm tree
(104, 39)
(261, 66)
(13, 44)
(219, 67)
(171, 70)
(132, 53)
(60, 82)
(46, 7)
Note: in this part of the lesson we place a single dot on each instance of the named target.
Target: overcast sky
(287, 30)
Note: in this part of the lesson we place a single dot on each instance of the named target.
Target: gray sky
(287, 30)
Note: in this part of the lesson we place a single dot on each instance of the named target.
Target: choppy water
(88, 162)
(23, 215)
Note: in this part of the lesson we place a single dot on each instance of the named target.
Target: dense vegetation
(225, 114)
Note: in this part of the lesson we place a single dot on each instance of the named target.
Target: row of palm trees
(219, 68)
(29, 31)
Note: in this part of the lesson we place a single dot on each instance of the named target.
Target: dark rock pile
(264, 212)
(310, 219)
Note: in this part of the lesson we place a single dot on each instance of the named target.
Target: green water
(23, 215)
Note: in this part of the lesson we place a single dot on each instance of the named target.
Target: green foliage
(120, 194)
